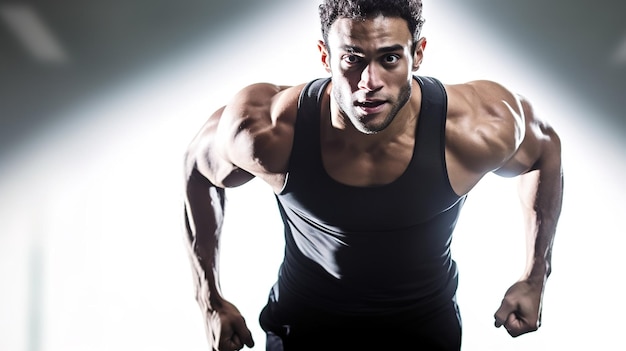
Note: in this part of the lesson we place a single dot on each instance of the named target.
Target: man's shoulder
(286, 102)
(484, 123)
(479, 93)
(262, 91)
(482, 101)
(262, 102)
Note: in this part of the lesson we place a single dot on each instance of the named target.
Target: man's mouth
(370, 106)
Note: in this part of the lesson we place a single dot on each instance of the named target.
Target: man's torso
(366, 249)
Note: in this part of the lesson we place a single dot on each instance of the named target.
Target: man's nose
(370, 78)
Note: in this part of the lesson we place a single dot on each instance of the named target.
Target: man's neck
(340, 130)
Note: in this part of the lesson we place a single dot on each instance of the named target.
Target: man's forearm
(541, 193)
(204, 210)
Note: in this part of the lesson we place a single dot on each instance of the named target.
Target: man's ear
(324, 55)
(418, 56)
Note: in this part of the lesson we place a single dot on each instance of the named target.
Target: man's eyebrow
(352, 49)
(357, 50)
(391, 48)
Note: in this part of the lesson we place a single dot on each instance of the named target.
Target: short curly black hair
(409, 10)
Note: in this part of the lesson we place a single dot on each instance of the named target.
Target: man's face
(371, 65)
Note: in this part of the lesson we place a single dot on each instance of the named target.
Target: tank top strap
(306, 143)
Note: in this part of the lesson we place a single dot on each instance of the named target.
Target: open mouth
(370, 107)
(369, 104)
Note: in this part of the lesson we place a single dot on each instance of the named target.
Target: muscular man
(370, 168)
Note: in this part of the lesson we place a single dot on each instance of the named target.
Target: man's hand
(226, 329)
(520, 311)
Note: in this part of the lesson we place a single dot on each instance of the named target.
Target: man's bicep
(205, 157)
(540, 144)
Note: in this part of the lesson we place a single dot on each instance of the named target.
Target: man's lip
(370, 106)
(369, 102)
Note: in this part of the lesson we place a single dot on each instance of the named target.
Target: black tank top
(367, 251)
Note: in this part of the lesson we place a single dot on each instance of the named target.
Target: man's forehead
(391, 30)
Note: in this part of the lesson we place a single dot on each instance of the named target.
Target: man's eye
(351, 59)
(391, 58)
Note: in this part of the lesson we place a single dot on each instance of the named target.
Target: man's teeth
(370, 103)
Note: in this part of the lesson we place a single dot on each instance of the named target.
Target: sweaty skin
(368, 119)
